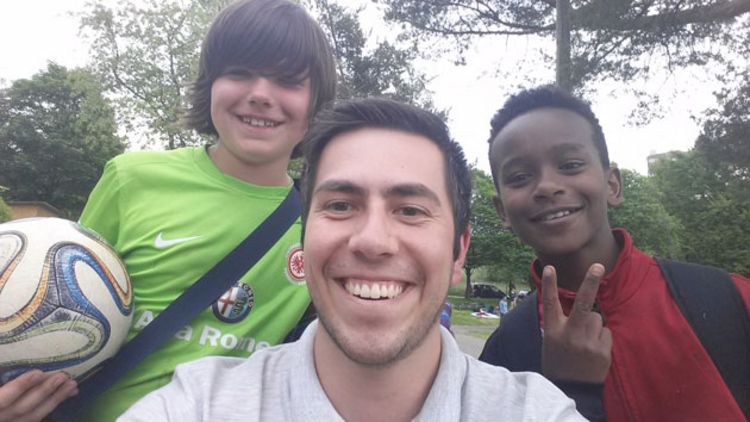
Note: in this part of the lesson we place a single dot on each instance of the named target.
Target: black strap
(517, 343)
(712, 305)
(195, 299)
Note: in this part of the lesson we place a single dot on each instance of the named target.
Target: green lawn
(464, 317)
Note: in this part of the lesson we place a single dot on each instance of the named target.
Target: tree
(492, 245)
(147, 53)
(385, 70)
(704, 197)
(610, 39)
(653, 229)
(725, 137)
(56, 133)
(4, 211)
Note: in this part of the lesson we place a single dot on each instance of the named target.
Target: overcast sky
(33, 32)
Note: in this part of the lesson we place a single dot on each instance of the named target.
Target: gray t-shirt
(280, 384)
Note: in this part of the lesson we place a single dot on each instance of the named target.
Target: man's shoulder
(272, 360)
(517, 395)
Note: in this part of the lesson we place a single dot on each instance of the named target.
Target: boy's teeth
(559, 214)
(374, 290)
(258, 122)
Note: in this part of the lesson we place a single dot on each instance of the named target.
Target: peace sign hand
(577, 347)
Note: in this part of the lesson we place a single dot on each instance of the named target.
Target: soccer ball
(65, 298)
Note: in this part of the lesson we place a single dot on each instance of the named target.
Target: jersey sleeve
(102, 211)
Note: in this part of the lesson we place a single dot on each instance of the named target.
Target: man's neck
(362, 393)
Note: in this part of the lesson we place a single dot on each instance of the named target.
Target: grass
(464, 317)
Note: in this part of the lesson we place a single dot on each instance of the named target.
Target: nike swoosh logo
(161, 243)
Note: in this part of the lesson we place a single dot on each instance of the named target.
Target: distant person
(384, 238)
(623, 336)
(265, 70)
(502, 306)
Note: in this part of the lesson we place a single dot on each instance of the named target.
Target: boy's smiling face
(259, 120)
(553, 189)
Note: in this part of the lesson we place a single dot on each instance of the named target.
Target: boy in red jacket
(605, 311)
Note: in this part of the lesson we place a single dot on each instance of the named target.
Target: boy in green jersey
(265, 70)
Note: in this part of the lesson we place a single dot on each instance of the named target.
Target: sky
(33, 32)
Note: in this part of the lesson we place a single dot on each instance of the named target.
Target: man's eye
(410, 211)
(339, 206)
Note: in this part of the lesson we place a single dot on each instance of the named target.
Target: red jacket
(660, 371)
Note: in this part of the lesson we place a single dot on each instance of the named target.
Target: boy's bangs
(280, 49)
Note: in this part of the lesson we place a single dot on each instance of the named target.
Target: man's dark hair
(381, 113)
(273, 38)
(548, 96)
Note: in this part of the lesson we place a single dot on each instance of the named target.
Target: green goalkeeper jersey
(172, 216)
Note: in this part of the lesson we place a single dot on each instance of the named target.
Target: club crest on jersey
(235, 304)
(295, 265)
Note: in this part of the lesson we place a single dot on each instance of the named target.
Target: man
(384, 235)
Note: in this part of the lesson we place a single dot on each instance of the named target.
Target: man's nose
(375, 237)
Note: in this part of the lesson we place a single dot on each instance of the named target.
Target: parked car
(486, 290)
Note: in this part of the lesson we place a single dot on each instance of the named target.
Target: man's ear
(614, 187)
(500, 210)
(458, 264)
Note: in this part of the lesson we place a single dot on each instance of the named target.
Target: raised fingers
(586, 295)
(552, 313)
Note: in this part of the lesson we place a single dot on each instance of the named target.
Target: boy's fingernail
(597, 270)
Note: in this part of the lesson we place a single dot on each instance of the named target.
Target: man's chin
(371, 349)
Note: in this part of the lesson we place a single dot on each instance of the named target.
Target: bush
(4, 211)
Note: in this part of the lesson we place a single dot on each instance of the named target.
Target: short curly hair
(548, 96)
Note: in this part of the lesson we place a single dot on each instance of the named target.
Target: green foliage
(56, 133)
(5, 214)
(146, 53)
(492, 245)
(653, 229)
(706, 196)
(383, 70)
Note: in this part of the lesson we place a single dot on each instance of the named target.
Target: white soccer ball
(65, 298)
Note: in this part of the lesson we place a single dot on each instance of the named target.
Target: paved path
(466, 336)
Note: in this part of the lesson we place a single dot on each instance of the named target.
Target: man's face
(553, 189)
(379, 243)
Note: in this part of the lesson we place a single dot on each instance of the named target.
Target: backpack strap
(511, 345)
(713, 307)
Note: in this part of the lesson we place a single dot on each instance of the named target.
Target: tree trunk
(467, 292)
(562, 32)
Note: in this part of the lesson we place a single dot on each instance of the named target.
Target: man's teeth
(558, 214)
(258, 122)
(374, 290)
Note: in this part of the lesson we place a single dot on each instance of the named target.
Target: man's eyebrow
(341, 186)
(412, 189)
